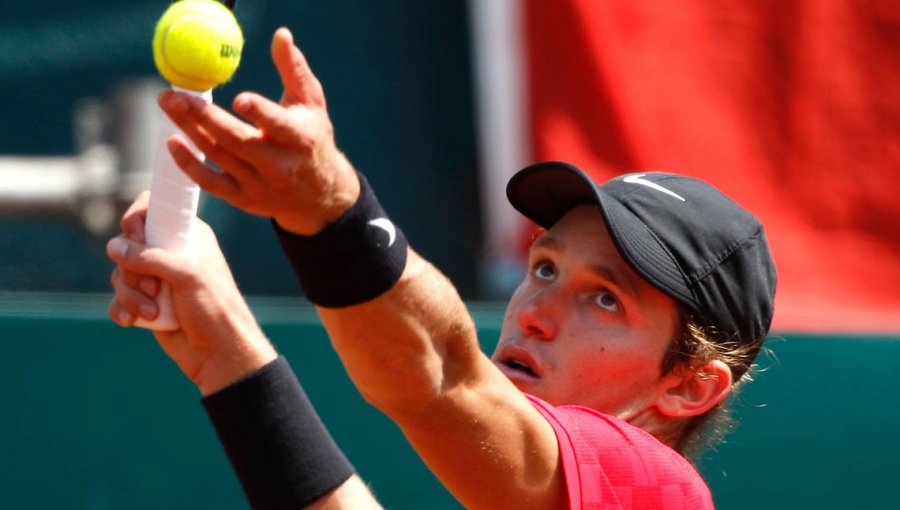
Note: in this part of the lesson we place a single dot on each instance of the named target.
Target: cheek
(509, 326)
(610, 373)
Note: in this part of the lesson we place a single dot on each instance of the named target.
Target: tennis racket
(172, 211)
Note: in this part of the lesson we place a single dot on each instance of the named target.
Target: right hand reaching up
(285, 165)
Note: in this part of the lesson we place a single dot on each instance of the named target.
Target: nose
(538, 315)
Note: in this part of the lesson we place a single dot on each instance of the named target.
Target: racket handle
(171, 213)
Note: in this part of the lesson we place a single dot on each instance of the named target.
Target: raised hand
(284, 164)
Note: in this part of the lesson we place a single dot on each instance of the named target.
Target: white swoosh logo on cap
(639, 179)
(386, 225)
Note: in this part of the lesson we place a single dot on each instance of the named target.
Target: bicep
(405, 346)
(489, 445)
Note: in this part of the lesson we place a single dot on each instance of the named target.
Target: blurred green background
(399, 90)
(96, 417)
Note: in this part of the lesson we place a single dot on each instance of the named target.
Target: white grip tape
(171, 212)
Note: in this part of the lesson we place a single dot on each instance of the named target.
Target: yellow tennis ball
(197, 44)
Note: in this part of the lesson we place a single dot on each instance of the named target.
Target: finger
(204, 122)
(139, 258)
(228, 161)
(238, 147)
(133, 220)
(221, 184)
(271, 159)
(300, 84)
(132, 301)
(118, 315)
(147, 284)
(272, 118)
(130, 279)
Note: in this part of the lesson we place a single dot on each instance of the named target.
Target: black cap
(681, 234)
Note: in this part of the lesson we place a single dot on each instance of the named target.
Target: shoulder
(607, 460)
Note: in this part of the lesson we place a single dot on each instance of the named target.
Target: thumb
(133, 220)
(138, 258)
(300, 84)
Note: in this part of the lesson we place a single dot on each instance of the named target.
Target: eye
(544, 271)
(607, 301)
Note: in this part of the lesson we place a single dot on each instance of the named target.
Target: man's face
(584, 328)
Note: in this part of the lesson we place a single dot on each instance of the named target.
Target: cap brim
(545, 192)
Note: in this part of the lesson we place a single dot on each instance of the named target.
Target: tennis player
(645, 302)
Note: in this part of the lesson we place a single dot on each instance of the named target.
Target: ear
(692, 392)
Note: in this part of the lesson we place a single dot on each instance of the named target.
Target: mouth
(517, 363)
(518, 366)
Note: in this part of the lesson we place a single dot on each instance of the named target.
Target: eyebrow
(547, 241)
(621, 281)
(552, 243)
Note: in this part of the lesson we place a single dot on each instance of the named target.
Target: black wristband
(280, 450)
(353, 260)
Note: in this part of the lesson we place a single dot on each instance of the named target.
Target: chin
(524, 386)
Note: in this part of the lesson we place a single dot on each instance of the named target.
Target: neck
(664, 428)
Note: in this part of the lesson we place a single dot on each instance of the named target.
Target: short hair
(692, 347)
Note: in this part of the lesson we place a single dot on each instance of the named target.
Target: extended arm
(411, 351)
(424, 368)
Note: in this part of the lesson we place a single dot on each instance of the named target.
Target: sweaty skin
(580, 329)
(589, 330)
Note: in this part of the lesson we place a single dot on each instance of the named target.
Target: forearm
(411, 348)
(280, 450)
(243, 350)
(399, 325)
(413, 353)
(353, 494)
(409, 345)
